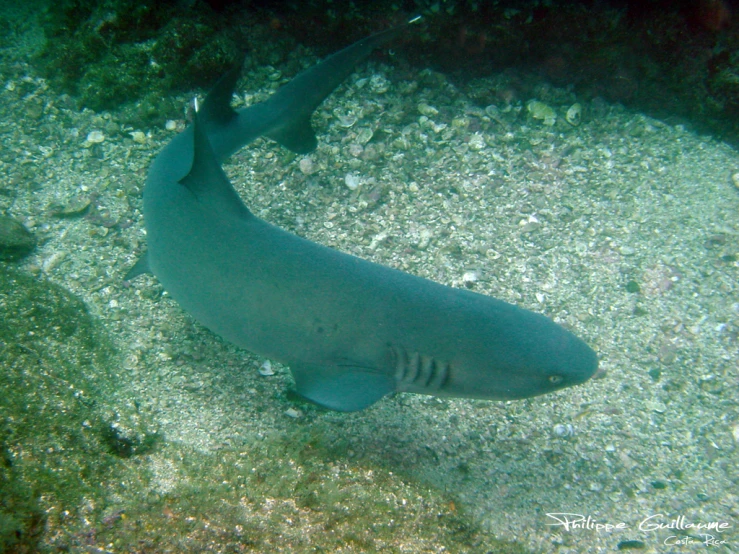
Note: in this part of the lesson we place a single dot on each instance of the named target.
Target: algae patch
(53, 359)
(290, 493)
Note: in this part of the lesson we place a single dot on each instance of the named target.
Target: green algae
(129, 55)
(50, 352)
(287, 493)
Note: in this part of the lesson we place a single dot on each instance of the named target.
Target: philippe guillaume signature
(570, 521)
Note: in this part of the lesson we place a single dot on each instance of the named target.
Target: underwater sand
(623, 228)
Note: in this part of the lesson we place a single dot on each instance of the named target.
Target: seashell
(266, 369)
(307, 166)
(574, 114)
(347, 120)
(564, 431)
(74, 208)
(53, 260)
(95, 137)
(352, 181)
(542, 111)
(138, 137)
(379, 84)
(470, 277)
(364, 135)
(425, 109)
(477, 142)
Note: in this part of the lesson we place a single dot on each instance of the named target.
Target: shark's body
(351, 330)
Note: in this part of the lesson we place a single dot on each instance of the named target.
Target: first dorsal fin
(206, 179)
(216, 107)
(205, 171)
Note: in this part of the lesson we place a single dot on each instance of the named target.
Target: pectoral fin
(139, 268)
(341, 388)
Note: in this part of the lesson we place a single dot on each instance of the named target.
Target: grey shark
(350, 330)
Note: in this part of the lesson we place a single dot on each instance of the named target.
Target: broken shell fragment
(95, 137)
(574, 114)
(542, 111)
(265, 369)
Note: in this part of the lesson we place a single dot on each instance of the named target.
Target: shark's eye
(555, 379)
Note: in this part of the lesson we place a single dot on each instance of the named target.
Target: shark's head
(548, 358)
(532, 356)
(494, 350)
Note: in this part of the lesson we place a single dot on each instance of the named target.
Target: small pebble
(470, 277)
(710, 384)
(424, 238)
(633, 287)
(307, 166)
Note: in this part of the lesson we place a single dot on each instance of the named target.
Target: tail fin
(297, 100)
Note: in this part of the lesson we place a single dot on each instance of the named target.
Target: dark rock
(131, 439)
(15, 240)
